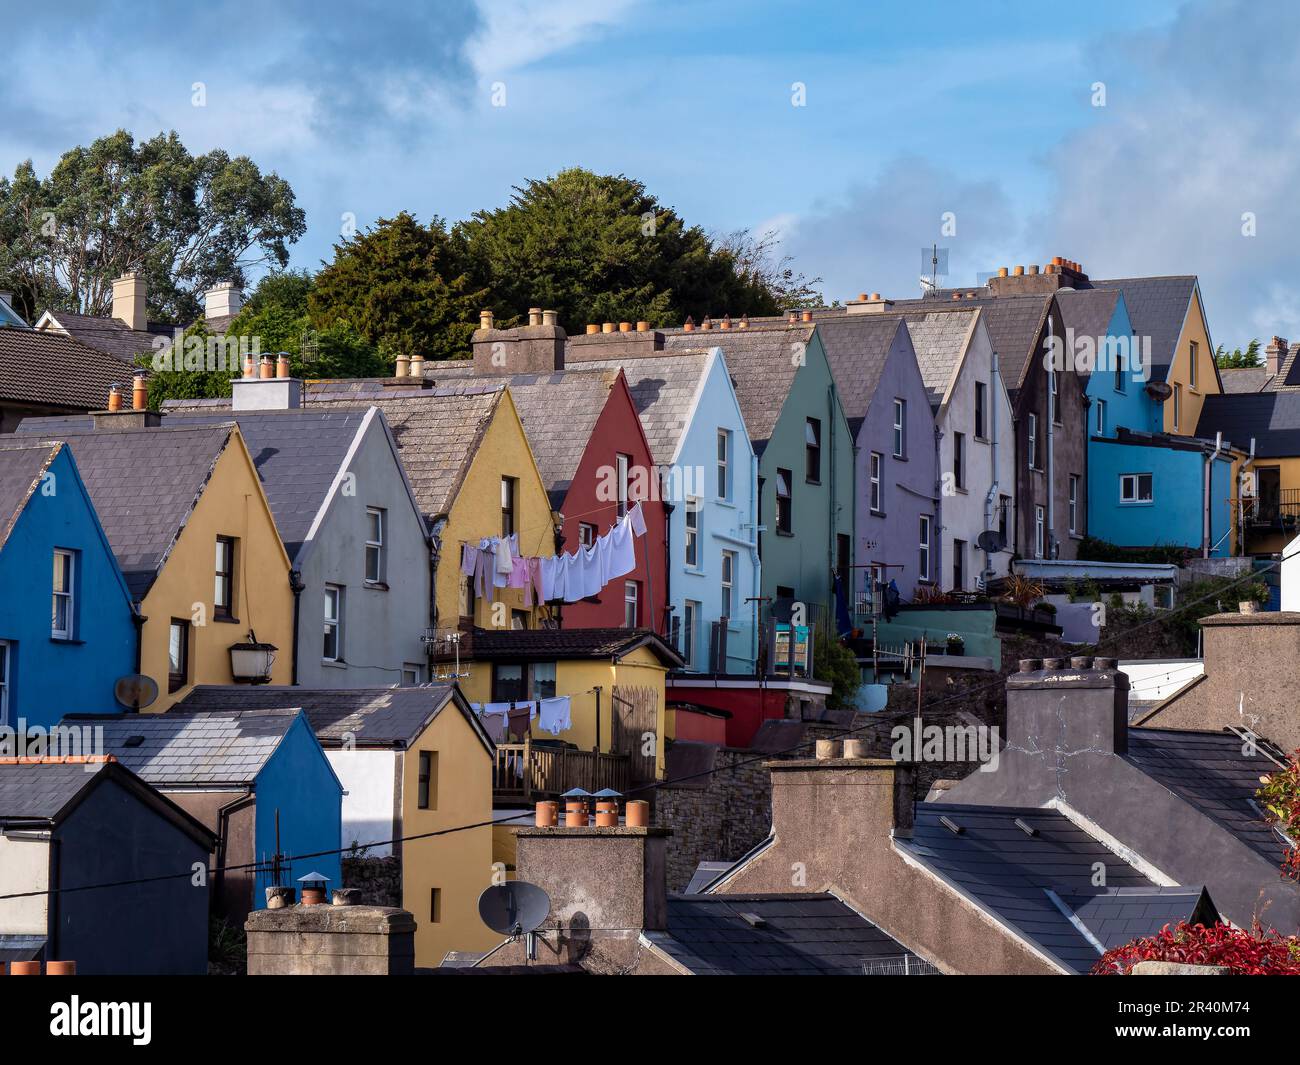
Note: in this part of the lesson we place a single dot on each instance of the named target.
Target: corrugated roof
(663, 388)
(21, 470)
(50, 369)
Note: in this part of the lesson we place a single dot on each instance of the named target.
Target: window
(508, 682)
(812, 450)
(1040, 531)
(959, 565)
(1101, 417)
(1032, 437)
(178, 655)
(412, 675)
(783, 502)
(631, 604)
(1164, 596)
(724, 464)
(1191, 366)
(728, 584)
(63, 608)
(1004, 518)
(435, 905)
(843, 561)
(428, 792)
(981, 400)
(959, 459)
(1135, 488)
(543, 680)
(877, 461)
(1120, 382)
(509, 517)
(1178, 405)
(1074, 502)
(690, 626)
(692, 545)
(467, 599)
(923, 561)
(376, 519)
(332, 648)
(5, 670)
(223, 602)
(624, 463)
(519, 620)
(900, 427)
(1055, 396)
(586, 533)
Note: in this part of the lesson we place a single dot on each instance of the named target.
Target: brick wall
(378, 879)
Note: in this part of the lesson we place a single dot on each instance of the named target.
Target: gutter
(138, 619)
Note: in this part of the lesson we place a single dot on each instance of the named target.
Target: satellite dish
(135, 691)
(1159, 391)
(990, 540)
(514, 908)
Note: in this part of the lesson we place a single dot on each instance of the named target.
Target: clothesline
(495, 563)
(553, 715)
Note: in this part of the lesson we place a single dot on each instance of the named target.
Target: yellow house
(474, 476)
(192, 531)
(414, 762)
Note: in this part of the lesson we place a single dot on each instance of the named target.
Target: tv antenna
(935, 260)
(515, 908)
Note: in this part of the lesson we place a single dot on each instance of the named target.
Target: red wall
(749, 707)
(702, 728)
(618, 431)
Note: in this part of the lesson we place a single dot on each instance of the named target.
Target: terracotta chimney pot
(114, 397)
(417, 365)
(1019, 271)
(250, 367)
(606, 814)
(282, 365)
(267, 368)
(806, 316)
(592, 327)
(24, 968)
(607, 327)
(1057, 261)
(534, 316)
(1003, 271)
(637, 813)
(139, 392)
(689, 325)
(547, 814)
(403, 366)
(625, 327)
(643, 327)
(60, 968)
(550, 317)
(486, 319)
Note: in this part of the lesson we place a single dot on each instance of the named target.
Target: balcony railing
(529, 771)
(1279, 510)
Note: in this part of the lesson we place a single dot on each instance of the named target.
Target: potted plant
(956, 643)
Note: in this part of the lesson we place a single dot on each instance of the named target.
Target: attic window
(1025, 827)
(133, 741)
(951, 826)
(754, 920)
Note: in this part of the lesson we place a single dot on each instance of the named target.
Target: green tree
(834, 662)
(1238, 359)
(403, 286)
(182, 221)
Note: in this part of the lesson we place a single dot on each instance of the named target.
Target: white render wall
(24, 866)
(369, 796)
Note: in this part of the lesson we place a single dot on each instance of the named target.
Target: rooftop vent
(951, 826)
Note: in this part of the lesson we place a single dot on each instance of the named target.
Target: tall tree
(403, 286)
(1238, 359)
(182, 221)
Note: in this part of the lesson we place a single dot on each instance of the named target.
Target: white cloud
(515, 33)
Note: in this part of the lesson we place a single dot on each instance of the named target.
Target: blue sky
(985, 110)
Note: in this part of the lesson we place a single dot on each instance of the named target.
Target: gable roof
(372, 717)
(108, 335)
(941, 342)
(175, 750)
(21, 471)
(1271, 418)
(1244, 378)
(857, 347)
(1089, 311)
(1040, 885)
(567, 643)
(664, 389)
(762, 369)
(1157, 307)
(50, 369)
(775, 935)
(144, 484)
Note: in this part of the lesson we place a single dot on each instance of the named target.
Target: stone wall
(378, 879)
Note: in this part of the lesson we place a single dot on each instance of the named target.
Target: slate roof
(41, 790)
(1209, 772)
(1088, 311)
(1244, 379)
(663, 389)
(144, 483)
(1157, 307)
(1013, 875)
(21, 470)
(857, 347)
(772, 935)
(383, 717)
(940, 342)
(1115, 916)
(48, 369)
(1272, 418)
(762, 370)
(567, 643)
(111, 335)
(177, 750)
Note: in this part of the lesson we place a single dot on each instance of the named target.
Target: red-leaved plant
(1258, 952)
(1279, 795)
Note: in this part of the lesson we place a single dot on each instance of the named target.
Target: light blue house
(709, 477)
(1146, 487)
(67, 630)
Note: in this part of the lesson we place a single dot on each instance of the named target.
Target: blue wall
(298, 781)
(724, 524)
(50, 678)
(1130, 407)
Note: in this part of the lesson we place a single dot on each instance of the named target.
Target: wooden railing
(530, 771)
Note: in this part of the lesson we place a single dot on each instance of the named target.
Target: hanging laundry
(483, 577)
(535, 581)
(519, 575)
(591, 567)
(551, 572)
(468, 559)
(574, 583)
(636, 519)
(503, 557)
(622, 550)
(553, 715)
(495, 726)
(521, 717)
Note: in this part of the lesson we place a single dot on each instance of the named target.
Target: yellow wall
(476, 513)
(460, 864)
(575, 678)
(1288, 477)
(232, 504)
(1207, 382)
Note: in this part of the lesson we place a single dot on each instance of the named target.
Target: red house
(593, 455)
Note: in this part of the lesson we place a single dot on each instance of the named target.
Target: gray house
(353, 532)
(66, 825)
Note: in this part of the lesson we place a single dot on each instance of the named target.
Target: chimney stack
(872, 304)
(266, 385)
(129, 301)
(136, 416)
(1275, 355)
(1067, 706)
(537, 347)
(222, 300)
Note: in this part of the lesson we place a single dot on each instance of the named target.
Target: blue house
(1146, 487)
(67, 630)
(709, 477)
(258, 779)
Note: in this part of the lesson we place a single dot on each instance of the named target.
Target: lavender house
(896, 472)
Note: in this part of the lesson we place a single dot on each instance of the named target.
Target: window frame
(981, 411)
(426, 781)
(691, 536)
(1135, 499)
(1040, 531)
(6, 678)
(875, 471)
(631, 604)
(925, 546)
(333, 623)
(959, 459)
(691, 613)
(727, 584)
(376, 517)
(1193, 351)
(900, 428)
(785, 527)
(497, 682)
(1032, 437)
(959, 565)
(224, 580)
(1054, 397)
(812, 450)
(586, 533)
(623, 469)
(536, 684)
(68, 596)
(178, 679)
(1101, 417)
(724, 464)
(1178, 404)
(1072, 502)
(509, 506)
